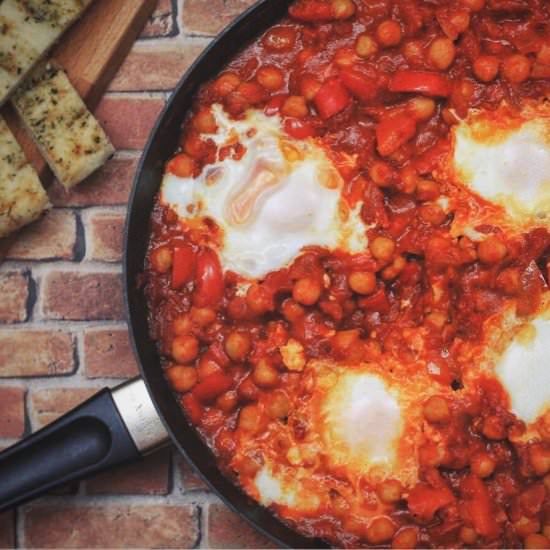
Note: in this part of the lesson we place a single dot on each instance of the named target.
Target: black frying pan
(121, 425)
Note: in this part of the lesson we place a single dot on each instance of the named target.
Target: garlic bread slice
(28, 29)
(22, 197)
(70, 139)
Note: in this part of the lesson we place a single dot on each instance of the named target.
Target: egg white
(503, 156)
(298, 203)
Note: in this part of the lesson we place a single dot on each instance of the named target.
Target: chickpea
(436, 319)
(422, 108)
(539, 456)
(543, 55)
(460, 20)
(413, 52)
(432, 214)
(182, 325)
(309, 86)
(408, 180)
(340, 505)
(182, 379)
(227, 402)
(493, 428)
(202, 316)
(206, 367)
(247, 390)
(265, 375)
(226, 83)
(482, 464)
(467, 535)
(271, 78)
(536, 540)
(486, 67)
(278, 406)
(389, 491)
(343, 340)
(382, 248)
(161, 259)
(394, 269)
(342, 9)
(381, 173)
(237, 346)
(516, 68)
(509, 280)
(295, 106)
(407, 537)
(345, 57)
(306, 291)
(426, 190)
(380, 530)
(442, 53)
(362, 282)
(436, 410)
(525, 526)
(204, 121)
(491, 250)
(185, 349)
(250, 92)
(473, 5)
(291, 310)
(388, 33)
(250, 418)
(365, 46)
(279, 39)
(258, 299)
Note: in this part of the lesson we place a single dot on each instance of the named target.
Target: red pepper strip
(208, 278)
(375, 302)
(393, 132)
(192, 407)
(212, 386)
(478, 506)
(424, 501)
(183, 268)
(331, 98)
(359, 84)
(311, 10)
(429, 159)
(298, 129)
(422, 82)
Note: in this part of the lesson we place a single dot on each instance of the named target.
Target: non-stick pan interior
(162, 143)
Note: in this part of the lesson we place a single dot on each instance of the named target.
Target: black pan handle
(112, 427)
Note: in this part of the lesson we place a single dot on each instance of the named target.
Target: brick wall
(62, 331)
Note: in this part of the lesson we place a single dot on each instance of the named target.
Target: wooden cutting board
(91, 52)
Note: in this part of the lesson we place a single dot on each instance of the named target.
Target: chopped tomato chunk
(299, 129)
(212, 386)
(424, 501)
(331, 98)
(422, 82)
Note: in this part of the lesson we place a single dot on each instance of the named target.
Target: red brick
(82, 296)
(110, 185)
(128, 120)
(161, 22)
(12, 405)
(209, 17)
(14, 294)
(7, 530)
(154, 69)
(150, 476)
(107, 354)
(227, 530)
(105, 236)
(190, 480)
(111, 527)
(51, 237)
(49, 404)
(36, 353)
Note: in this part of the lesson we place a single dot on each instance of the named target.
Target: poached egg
(282, 195)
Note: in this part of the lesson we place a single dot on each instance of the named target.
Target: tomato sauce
(383, 81)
